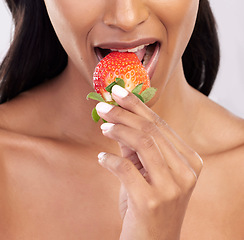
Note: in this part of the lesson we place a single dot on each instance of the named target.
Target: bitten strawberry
(125, 66)
(124, 69)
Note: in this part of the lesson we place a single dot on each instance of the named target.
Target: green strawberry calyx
(145, 96)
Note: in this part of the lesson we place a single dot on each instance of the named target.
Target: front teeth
(134, 50)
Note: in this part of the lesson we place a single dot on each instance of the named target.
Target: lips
(147, 53)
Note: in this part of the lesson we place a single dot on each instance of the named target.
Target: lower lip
(151, 66)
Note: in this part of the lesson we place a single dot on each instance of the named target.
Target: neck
(179, 105)
(63, 100)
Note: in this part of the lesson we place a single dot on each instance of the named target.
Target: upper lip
(127, 45)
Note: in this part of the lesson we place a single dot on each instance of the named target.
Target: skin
(52, 186)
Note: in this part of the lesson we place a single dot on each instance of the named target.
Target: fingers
(141, 130)
(131, 155)
(163, 165)
(166, 139)
(144, 145)
(170, 165)
(127, 173)
(128, 101)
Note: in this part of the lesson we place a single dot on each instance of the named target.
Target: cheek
(173, 13)
(181, 26)
(72, 20)
(178, 17)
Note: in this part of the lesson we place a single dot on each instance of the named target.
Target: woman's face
(89, 29)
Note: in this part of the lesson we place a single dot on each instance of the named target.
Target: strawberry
(124, 69)
(125, 66)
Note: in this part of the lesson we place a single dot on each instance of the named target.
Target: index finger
(135, 184)
(130, 102)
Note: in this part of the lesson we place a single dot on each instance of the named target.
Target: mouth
(146, 53)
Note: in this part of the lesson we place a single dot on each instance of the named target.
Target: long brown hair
(36, 55)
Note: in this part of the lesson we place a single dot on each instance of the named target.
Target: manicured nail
(119, 91)
(103, 107)
(101, 157)
(107, 126)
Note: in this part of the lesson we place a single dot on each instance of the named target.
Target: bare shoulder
(11, 137)
(233, 160)
(223, 151)
(219, 194)
(35, 173)
(218, 130)
(228, 132)
(9, 152)
(218, 198)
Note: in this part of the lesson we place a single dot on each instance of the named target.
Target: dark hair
(201, 56)
(36, 55)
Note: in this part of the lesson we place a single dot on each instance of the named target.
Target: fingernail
(103, 107)
(119, 91)
(101, 157)
(107, 126)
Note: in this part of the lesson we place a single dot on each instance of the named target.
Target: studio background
(228, 90)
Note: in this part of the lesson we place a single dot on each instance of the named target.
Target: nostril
(126, 15)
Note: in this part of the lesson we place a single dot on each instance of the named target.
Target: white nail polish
(101, 157)
(107, 126)
(103, 107)
(119, 91)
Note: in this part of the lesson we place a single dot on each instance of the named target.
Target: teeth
(136, 49)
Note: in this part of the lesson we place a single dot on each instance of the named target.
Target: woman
(51, 184)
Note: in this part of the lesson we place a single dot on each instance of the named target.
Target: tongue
(141, 53)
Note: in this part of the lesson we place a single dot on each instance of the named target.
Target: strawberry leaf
(138, 88)
(110, 86)
(139, 96)
(113, 103)
(120, 82)
(148, 94)
(95, 96)
(95, 116)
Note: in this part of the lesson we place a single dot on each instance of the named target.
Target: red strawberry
(124, 65)
(124, 69)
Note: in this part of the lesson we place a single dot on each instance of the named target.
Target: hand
(158, 171)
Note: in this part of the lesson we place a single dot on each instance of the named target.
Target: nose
(125, 14)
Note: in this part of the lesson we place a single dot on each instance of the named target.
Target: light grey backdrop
(228, 90)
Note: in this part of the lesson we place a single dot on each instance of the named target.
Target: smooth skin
(171, 169)
(52, 186)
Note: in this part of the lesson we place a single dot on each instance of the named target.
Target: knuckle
(174, 193)
(146, 142)
(158, 121)
(123, 166)
(133, 100)
(124, 171)
(116, 112)
(158, 199)
(153, 204)
(149, 127)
